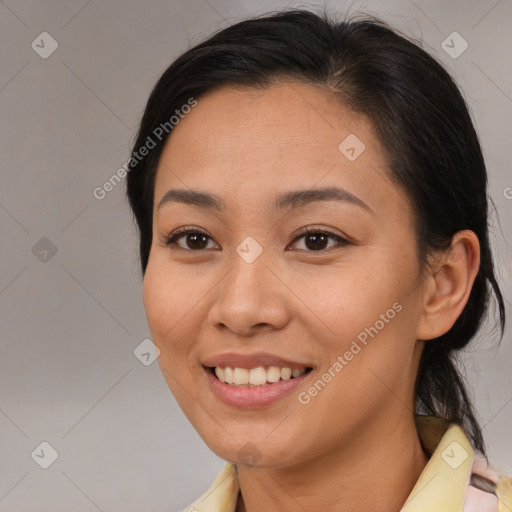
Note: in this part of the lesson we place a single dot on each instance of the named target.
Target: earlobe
(448, 286)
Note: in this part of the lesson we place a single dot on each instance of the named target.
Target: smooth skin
(354, 446)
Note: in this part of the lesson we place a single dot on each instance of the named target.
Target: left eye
(315, 240)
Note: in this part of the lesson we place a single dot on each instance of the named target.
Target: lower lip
(250, 398)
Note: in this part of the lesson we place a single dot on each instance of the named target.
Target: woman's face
(252, 291)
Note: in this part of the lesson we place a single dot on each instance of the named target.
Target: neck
(375, 471)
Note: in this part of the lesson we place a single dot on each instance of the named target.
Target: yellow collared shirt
(455, 479)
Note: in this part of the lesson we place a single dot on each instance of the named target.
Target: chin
(251, 453)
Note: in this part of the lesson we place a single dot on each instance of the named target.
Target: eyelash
(171, 239)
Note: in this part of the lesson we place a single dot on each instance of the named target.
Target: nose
(251, 297)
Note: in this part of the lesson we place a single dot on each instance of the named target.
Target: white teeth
(286, 373)
(240, 376)
(228, 375)
(273, 374)
(256, 376)
(220, 372)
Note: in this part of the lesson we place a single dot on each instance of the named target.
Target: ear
(447, 288)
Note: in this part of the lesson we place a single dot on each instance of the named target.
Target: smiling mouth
(256, 377)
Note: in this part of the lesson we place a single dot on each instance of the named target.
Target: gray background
(71, 321)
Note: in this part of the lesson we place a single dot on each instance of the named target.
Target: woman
(315, 251)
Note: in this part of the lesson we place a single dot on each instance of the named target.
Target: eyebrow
(293, 199)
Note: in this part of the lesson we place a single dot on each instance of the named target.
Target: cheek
(374, 317)
(171, 324)
(167, 310)
(156, 301)
(348, 297)
(365, 310)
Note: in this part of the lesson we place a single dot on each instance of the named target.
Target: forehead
(261, 141)
(282, 116)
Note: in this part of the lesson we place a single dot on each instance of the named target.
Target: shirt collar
(441, 486)
(443, 482)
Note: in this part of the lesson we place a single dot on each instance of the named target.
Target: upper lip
(249, 361)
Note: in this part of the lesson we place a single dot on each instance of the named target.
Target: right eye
(195, 239)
